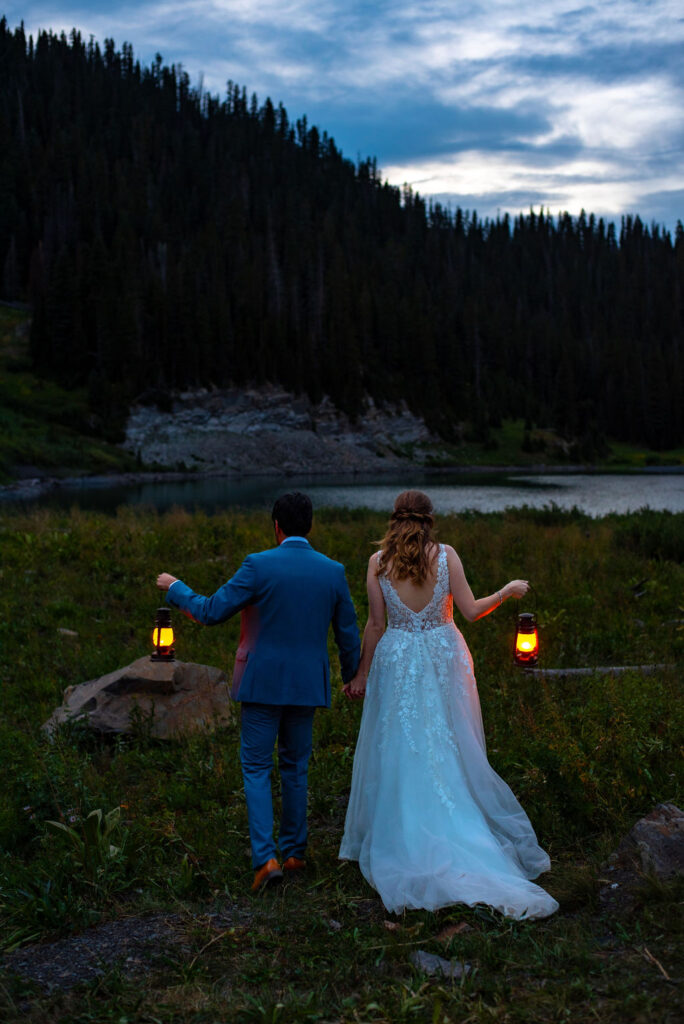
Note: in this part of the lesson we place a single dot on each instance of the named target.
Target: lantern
(526, 640)
(162, 636)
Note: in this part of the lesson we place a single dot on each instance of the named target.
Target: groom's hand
(164, 580)
(355, 688)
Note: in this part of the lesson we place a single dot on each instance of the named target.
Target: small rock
(433, 965)
(654, 846)
(448, 933)
(66, 632)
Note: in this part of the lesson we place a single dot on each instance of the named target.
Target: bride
(429, 820)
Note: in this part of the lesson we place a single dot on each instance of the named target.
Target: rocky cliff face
(268, 430)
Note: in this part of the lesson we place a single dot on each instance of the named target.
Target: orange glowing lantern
(526, 640)
(162, 636)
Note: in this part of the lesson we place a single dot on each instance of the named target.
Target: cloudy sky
(494, 106)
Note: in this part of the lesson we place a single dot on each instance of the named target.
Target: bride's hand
(516, 588)
(355, 688)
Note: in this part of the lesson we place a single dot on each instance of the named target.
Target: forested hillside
(165, 238)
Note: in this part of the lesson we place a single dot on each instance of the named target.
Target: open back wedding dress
(429, 820)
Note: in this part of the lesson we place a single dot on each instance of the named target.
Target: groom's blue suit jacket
(288, 597)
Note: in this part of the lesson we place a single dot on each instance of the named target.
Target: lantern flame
(526, 643)
(162, 636)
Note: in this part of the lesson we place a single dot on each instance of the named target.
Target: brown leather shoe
(267, 874)
(293, 865)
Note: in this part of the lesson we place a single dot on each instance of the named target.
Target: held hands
(516, 588)
(355, 688)
(164, 580)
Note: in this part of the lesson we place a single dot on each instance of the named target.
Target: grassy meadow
(587, 756)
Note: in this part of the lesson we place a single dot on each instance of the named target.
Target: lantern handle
(532, 592)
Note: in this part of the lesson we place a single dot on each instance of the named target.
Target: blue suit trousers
(292, 726)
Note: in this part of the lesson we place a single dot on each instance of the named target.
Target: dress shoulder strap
(442, 567)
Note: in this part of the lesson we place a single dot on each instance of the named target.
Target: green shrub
(652, 534)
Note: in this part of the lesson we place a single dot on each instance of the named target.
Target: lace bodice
(437, 612)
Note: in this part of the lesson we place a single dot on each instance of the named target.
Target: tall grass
(586, 756)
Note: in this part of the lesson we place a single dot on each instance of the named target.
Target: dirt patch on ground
(132, 943)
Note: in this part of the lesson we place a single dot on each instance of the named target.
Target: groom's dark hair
(293, 513)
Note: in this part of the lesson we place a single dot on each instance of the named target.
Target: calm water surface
(593, 493)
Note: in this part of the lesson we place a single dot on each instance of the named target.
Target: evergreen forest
(164, 238)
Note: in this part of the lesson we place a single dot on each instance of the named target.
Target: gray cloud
(504, 102)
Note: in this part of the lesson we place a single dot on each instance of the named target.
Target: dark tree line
(167, 238)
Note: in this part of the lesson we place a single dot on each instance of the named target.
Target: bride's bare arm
(375, 627)
(472, 608)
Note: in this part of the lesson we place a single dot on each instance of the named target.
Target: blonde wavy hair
(407, 549)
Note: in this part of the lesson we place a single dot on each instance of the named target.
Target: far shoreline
(31, 488)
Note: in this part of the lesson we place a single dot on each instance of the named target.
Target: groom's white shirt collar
(293, 537)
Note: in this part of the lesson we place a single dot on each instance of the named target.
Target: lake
(594, 493)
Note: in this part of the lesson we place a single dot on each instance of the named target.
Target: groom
(288, 595)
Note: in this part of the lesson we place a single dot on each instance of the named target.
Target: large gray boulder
(176, 697)
(267, 430)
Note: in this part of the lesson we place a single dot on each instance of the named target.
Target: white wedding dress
(429, 820)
